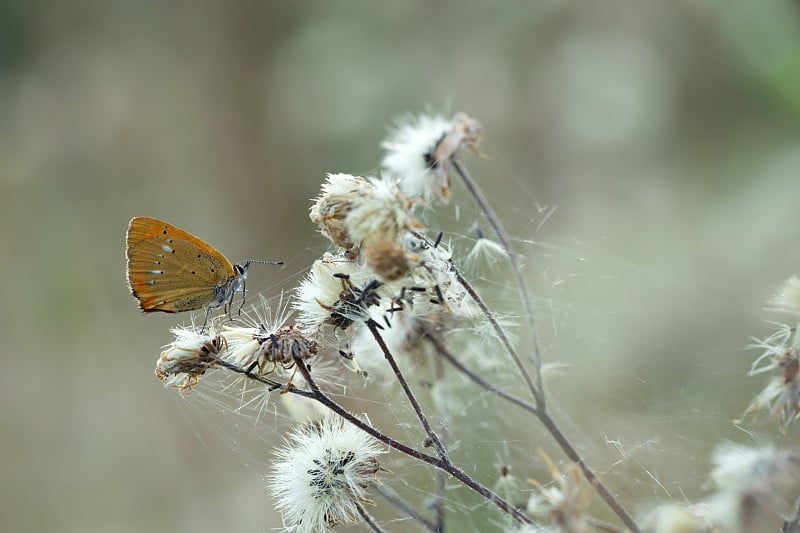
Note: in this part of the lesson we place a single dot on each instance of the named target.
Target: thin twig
(494, 221)
(538, 393)
(599, 486)
(434, 439)
(368, 520)
(392, 497)
(443, 464)
(441, 477)
(501, 334)
(453, 360)
(551, 426)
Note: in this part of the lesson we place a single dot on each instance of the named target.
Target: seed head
(321, 474)
(188, 357)
(334, 203)
(420, 151)
(758, 488)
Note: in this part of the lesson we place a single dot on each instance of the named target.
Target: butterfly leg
(209, 310)
(244, 294)
(286, 387)
(252, 367)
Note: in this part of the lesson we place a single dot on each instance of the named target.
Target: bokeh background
(664, 134)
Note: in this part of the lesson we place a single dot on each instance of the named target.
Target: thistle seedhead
(331, 207)
(322, 474)
(757, 488)
(188, 357)
(420, 151)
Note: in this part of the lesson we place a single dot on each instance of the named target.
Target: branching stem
(549, 424)
(434, 439)
(494, 221)
(442, 464)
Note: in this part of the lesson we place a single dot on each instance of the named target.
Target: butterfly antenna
(245, 264)
(241, 267)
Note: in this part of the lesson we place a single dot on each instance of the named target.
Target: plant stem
(601, 489)
(538, 394)
(437, 444)
(441, 477)
(442, 464)
(494, 221)
(368, 520)
(393, 498)
(453, 360)
(551, 426)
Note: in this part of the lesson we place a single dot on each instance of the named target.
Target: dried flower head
(388, 259)
(676, 519)
(188, 357)
(384, 212)
(353, 303)
(332, 206)
(420, 151)
(414, 316)
(565, 504)
(322, 474)
(321, 289)
(781, 396)
(757, 488)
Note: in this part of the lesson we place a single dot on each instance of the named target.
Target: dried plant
(389, 303)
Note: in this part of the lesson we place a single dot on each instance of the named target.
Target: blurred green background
(664, 133)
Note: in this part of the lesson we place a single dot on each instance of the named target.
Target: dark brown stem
(441, 477)
(601, 489)
(453, 360)
(271, 383)
(501, 334)
(435, 442)
(538, 394)
(549, 424)
(442, 464)
(494, 221)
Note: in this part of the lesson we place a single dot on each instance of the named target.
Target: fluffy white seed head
(331, 207)
(676, 519)
(781, 396)
(322, 473)
(409, 149)
(320, 290)
(758, 488)
(419, 151)
(384, 213)
(188, 357)
(245, 335)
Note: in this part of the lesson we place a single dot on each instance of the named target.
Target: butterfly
(170, 270)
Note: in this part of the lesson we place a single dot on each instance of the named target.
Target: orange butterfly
(171, 270)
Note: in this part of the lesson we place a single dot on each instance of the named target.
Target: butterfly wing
(171, 270)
